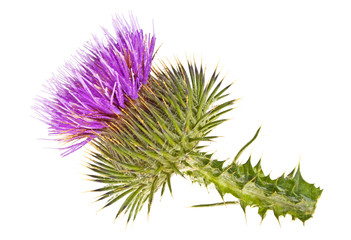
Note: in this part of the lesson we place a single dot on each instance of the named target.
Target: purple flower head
(91, 90)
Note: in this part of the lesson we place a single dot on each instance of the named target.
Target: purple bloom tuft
(91, 90)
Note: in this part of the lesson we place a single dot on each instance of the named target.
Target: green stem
(285, 195)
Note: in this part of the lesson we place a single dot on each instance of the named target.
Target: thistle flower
(91, 90)
(146, 127)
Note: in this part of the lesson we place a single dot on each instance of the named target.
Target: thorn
(277, 217)
(279, 222)
(208, 191)
(88, 191)
(243, 207)
(93, 203)
(100, 210)
(261, 221)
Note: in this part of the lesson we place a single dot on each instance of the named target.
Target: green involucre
(158, 135)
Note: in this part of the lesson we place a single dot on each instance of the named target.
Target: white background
(290, 61)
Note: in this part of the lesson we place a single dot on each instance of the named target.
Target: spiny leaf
(215, 204)
(169, 184)
(163, 188)
(152, 190)
(116, 198)
(262, 212)
(133, 206)
(246, 145)
(128, 200)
